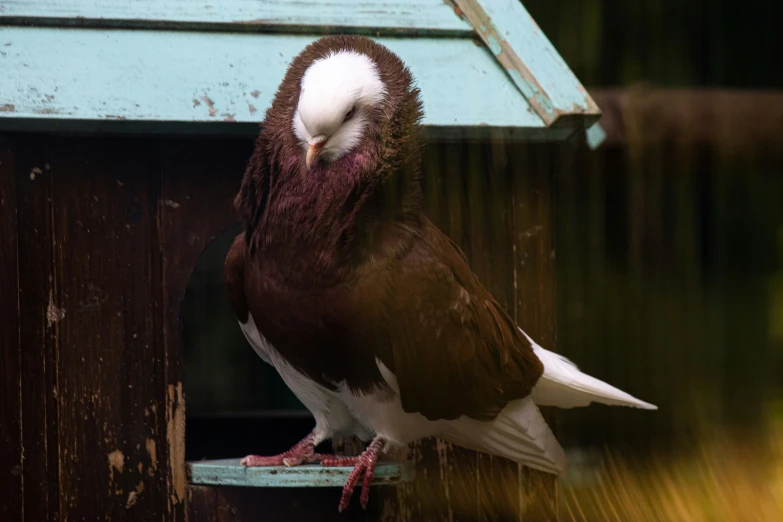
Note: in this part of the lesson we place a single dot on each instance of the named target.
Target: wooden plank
(229, 472)
(380, 16)
(532, 171)
(492, 259)
(11, 490)
(199, 180)
(122, 76)
(532, 62)
(202, 504)
(106, 303)
(39, 316)
(289, 505)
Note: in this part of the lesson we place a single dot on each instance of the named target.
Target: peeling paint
(8, 107)
(196, 103)
(133, 495)
(531, 91)
(255, 93)
(175, 435)
(53, 314)
(34, 172)
(229, 117)
(494, 45)
(152, 451)
(210, 105)
(251, 108)
(116, 461)
(171, 204)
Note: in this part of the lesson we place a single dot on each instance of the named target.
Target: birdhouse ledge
(483, 66)
(230, 472)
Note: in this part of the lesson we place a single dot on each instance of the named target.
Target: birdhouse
(126, 128)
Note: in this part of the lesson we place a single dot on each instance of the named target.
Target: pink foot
(364, 464)
(303, 452)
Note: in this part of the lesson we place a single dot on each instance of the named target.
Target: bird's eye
(348, 115)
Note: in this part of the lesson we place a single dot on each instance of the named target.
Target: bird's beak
(315, 143)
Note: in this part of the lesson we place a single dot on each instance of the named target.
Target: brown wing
(234, 277)
(452, 347)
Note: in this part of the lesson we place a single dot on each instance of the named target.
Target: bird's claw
(302, 452)
(364, 465)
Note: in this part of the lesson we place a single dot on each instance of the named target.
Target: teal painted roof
(483, 66)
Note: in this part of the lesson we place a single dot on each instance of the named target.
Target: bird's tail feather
(564, 386)
(518, 433)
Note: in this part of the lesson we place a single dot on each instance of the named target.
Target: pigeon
(371, 314)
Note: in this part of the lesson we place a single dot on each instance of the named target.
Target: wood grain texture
(11, 490)
(397, 17)
(198, 183)
(39, 317)
(226, 80)
(287, 505)
(492, 258)
(535, 283)
(202, 504)
(107, 269)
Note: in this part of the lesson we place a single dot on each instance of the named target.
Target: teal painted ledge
(230, 473)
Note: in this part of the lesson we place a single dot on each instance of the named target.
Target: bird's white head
(338, 93)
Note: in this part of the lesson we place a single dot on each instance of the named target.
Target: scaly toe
(340, 462)
(350, 484)
(252, 461)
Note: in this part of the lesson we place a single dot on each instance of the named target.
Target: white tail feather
(519, 433)
(564, 386)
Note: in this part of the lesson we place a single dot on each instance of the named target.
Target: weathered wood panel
(202, 504)
(39, 317)
(106, 307)
(199, 181)
(11, 493)
(277, 505)
(535, 283)
(397, 17)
